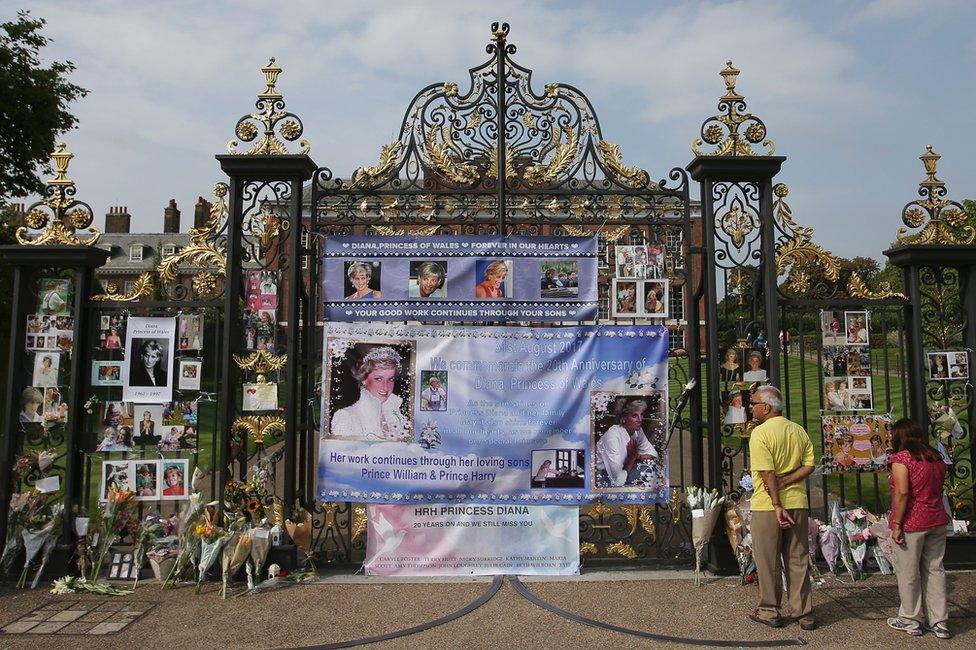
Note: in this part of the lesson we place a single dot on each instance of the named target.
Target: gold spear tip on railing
(61, 157)
(271, 72)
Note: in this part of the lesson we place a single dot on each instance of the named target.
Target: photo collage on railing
(147, 387)
(260, 321)
(42, 406)
(743, 366)
(640, 285)
(859, 440)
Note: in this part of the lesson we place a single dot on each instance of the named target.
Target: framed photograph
(113, 413)
(858, 361)
(624, 300)
(146, 476)
(559, 279)
(834, 361)
(115, 473)
(616, 419)
(363, 279)
(182, 412)
(190, 371)
(832, 328)
(655, 299)
(260, 397)
(106, 373)
(261, 290)
(46, 365)
(755, 365)
(360, 373)
(146, 374)
(114, 438)
(730, 370)
(190, 332)
(54, 296)
(433, 390)
(494, 279)
(857, 327)
(175, 473)
(428, 279)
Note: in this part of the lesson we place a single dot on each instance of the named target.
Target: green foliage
(33, 112)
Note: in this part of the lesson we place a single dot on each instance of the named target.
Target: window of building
(637, 237)
(304, 243)
(676, 338)
(674, 248)
(602, 252)
(129, 286)
(167, 250)
(677, 307)
(135, 253)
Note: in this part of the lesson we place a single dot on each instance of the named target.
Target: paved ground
(346, 608)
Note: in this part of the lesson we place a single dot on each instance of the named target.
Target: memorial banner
(464, 540)
(426, 414)
(146, 375)
(450, 278)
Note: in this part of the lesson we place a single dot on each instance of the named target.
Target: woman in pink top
(918, 529)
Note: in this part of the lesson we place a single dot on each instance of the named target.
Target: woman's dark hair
(906, 434)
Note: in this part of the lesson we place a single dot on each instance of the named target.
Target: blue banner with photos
(435, 414)
(451, 278)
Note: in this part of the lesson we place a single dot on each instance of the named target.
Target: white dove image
(391, 538)
(558, 530)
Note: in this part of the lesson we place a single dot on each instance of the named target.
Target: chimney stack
(18, 212)
(201, 212)
(171, 218)
(118, 219)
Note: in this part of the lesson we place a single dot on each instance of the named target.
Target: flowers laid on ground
(212, 539)
(705, 506)
(738, 517)
(189, 540)
(33, 524)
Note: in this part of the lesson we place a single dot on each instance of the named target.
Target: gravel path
(353, 607)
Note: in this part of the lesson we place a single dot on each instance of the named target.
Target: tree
(33, 108)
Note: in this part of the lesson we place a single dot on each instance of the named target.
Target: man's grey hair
(770, 395)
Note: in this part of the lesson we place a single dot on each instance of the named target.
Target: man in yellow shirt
(781, 458)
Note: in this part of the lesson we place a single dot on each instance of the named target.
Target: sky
(850, 92)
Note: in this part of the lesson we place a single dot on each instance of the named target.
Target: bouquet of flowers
(189, 541)
(737, 518)
(846, 556)
(34, 462)
(829, 545)
(857, 522)
(705, 509)
(150, 530)
(15, 526)
(41, 527)
(212, 539)
(882, 548)
(813, 531)
(237, 550)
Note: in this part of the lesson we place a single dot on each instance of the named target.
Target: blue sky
(850, 92)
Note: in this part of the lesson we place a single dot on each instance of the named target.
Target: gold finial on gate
(722, 130)
(946, 218)
(274, 119)
(59, 214)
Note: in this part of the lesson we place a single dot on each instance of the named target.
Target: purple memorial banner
(453, 278)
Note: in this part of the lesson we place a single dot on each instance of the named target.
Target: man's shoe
(940, 630)
(809, 625)
(771, 622)
(911, 628)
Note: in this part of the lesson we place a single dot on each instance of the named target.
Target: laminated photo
(190, 332)
(174, 474)
(106, 373)
(46, 366)
(189, 373)
(260, 397)
(53, 294)
(147, 370)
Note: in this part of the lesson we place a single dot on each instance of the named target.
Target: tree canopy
(34, 102)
